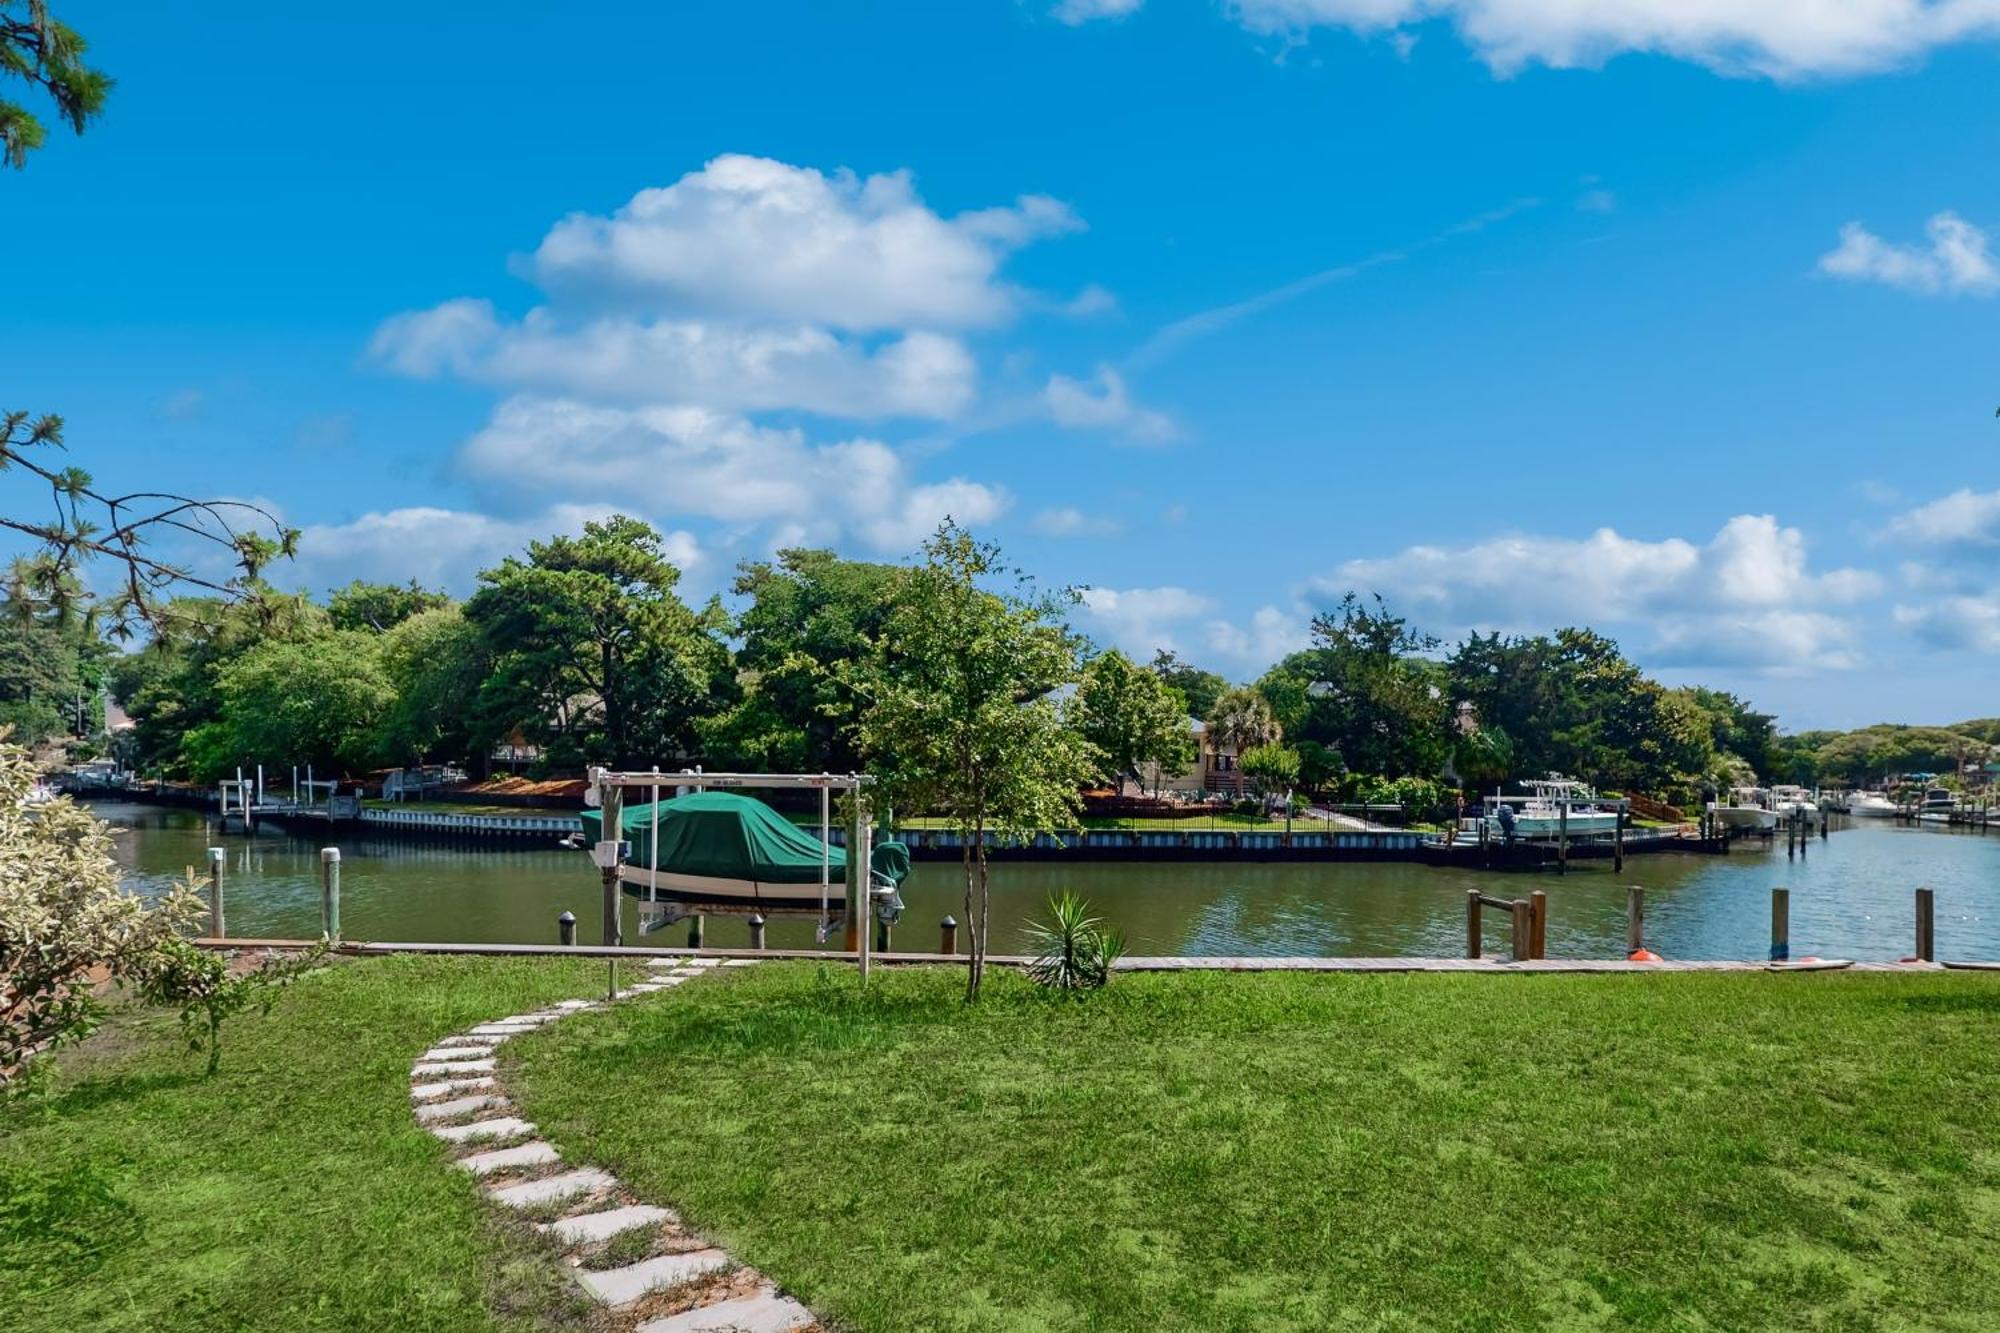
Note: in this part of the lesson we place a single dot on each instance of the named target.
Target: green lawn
(290, 1191)
(1300, 1152)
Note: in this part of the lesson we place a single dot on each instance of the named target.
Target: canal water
(1851, 897)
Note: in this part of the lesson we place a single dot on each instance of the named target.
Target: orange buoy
(1644, 956)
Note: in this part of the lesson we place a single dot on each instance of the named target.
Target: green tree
(962, 719)
(47, 55)
(1241, 719)
(594, 656)
(435, 662)
(1200, 688)
(1270, 768)
(381, 606)
(809, 613)
(1132, 717)
(1365, 691)
(319, 702)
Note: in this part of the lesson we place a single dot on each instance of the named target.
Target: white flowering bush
(66, 923)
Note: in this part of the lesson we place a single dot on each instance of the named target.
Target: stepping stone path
(683, 1285)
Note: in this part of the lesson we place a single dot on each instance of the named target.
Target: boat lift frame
(606, 792)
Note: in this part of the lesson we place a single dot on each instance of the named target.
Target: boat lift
(605, 792)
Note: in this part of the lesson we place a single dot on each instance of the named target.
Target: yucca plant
(1075, 950)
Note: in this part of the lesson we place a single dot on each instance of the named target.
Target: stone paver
(499, 1127)
(603, 1226)
(766, 1312)
(506, 1159)
(456, 1107)
(551, 1188)
(463, 1063)
(621, 1286)
(420, 1091)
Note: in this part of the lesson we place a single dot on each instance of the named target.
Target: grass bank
(290, 1191)
(1276, 1152)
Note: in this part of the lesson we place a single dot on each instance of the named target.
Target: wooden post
(1618, 845)
(329, 893)
(1926, 926)
(1472, 933)
(611, 803)
(694, 931)
(1781, 925)
(1538, 924)
(1635, 919)
(1524, 931)
(1562, 839)
(566, 929)
(756, 931)
(215, 922)
(948, 936)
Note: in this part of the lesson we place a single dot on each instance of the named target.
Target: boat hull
(744, 894)
(1745, 817)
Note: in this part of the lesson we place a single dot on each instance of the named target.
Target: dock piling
(1472, 923)
(566, 929)
(756, 930)
(1635, 919)
(1538, 924)
(948, 935)
(1524, 930)
(1781, 925)
(1926, 926)
(215, 858)
(329, 893)
(694, 931)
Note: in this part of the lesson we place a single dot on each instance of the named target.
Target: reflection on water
(1851, 897)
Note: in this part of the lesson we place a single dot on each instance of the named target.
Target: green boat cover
(721, 835)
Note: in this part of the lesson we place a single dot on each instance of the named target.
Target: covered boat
(719, 851)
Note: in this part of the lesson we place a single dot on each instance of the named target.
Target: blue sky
(1677, 322)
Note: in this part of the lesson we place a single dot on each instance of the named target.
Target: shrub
(199, 981)
(1075, 949)
(66, 923)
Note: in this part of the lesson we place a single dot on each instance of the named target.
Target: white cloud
(1955, 262)
(1069, 521)
(1956, 622)
(1140, 620)
(1597, 201)
(1074, 12)
(1966, 521)
(1270, 635)
(695, 461)
(1782, 39)
(181, 405)
(751, 238)
(722, 366)
(442, 548)
(1104, 403)
(1746, 597)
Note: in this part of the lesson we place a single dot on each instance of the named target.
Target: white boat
(1787, 801)
(1554, 807)
(1872, 805)
(1937, 805)
(1746, 808)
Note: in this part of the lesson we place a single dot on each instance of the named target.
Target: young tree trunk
(985, 903)
(971, 927)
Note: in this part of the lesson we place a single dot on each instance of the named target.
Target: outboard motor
(1506, 818)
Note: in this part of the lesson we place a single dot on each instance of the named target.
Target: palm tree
(1242, 720)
